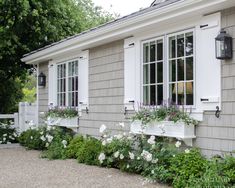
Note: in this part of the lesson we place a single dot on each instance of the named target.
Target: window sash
(186, 84)
(67, 83)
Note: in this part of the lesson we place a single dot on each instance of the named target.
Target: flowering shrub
(58, 146)
(43, 137)
(8, 134)
(73, 146)
(172, 113)
(62, 112)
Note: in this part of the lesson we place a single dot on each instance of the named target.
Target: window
(180, 63)
(181, 68)
(67, 84)
(153, 72)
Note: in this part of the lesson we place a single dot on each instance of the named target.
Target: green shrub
(89, 151)
(31, 139)
(8, 134)
(228, 169)
(57, 148)
(74, 146)
(185, 166)
(212, 177)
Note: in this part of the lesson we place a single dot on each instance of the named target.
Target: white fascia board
(120, 28)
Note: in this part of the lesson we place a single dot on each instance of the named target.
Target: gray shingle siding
(106, 89)
(216, 136)
(43, 92)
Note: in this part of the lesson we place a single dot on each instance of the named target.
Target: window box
(177, 130)
(64, 122)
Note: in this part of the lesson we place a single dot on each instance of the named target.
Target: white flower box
(177, 130)
(64, 122)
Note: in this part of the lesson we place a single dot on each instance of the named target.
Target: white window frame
(142, 67)
(166, 82)
(66, 81)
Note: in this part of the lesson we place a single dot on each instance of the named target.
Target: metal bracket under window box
(83, 107)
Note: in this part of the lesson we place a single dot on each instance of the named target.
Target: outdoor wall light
(42, 80)
(223, 45)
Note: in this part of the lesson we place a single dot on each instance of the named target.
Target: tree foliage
(26, 25)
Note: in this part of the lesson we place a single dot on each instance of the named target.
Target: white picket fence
(27, 116)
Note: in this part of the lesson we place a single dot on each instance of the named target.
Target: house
(166, 51)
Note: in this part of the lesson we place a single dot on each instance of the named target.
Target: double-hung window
(67, 84)
(179, 63)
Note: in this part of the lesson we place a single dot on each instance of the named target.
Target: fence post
(16, 120)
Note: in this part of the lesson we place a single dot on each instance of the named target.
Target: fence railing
(27, 115)
(14, 117)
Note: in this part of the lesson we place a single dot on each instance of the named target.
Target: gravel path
(20, 168)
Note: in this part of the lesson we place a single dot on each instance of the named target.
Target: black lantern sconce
(224, 46)
(42, 80)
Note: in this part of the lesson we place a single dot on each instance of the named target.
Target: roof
(154, 6)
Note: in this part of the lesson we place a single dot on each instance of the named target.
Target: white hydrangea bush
(8, 134)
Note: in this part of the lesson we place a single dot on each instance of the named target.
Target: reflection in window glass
(181, 69)
(160, 50)
(152, 51)
(146, 52)
(153, 95)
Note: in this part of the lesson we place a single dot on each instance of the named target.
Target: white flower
(154, 161)
(101, 157)
(49, 138)
(187, 151)
(119, 136)
(64, 142)
(47, 144)
(31, 123)
(31, 137)
(121, 156)
(122, 125)
(131, 155)
(116, 154)
(0, 142)
(14, 134)
(138, 158)
(109, 140)
(41, 133)
(151, 140)
(102, 128)
(4, 135)
(173, 155)
(105, 136)
(152, 171)
(43, 138)
(104, 142)
(178, 144)
(147, 156)
(48, 128)
(127, 166)
(4, 139)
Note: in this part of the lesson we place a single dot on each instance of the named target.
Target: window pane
(159, 94)
(146, 52)
(189, 44)
(180, 45)
(152, 73)
(146, 95)
(152, 51)
(159, 72)
(160, 50)
(146, 74)
(180, 69)
(180, 91)
(189, 93)
(76, 68)
(153, 95)
(189, 68)
(172, 47)
(172, 94)
(172, 71)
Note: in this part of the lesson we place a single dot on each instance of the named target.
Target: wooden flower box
(177, 130)
(64, 122)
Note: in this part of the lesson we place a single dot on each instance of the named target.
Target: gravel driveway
(24, 169)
